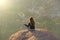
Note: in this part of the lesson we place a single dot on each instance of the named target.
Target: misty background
(16, 13)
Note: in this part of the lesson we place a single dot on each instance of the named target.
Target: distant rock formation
(39, 34)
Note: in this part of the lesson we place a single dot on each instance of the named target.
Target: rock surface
(39, 34)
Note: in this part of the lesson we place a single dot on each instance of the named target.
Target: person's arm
(27, 25)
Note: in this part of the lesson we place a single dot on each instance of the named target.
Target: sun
(2, 2)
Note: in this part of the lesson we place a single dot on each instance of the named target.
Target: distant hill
(39, 34)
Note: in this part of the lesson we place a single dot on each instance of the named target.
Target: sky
(40, 7)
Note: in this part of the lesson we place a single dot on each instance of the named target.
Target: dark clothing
(30, 26)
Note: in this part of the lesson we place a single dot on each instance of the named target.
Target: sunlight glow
(3, 2)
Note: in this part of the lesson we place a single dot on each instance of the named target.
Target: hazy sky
(40, 7)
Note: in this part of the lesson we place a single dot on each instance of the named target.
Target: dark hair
(32, 21)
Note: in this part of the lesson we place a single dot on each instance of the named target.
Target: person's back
(31, 24)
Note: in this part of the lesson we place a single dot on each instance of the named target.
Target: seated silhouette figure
(31, 24)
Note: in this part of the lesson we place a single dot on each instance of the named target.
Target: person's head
(32, 20)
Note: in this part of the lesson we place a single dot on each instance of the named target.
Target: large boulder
(39, 34)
